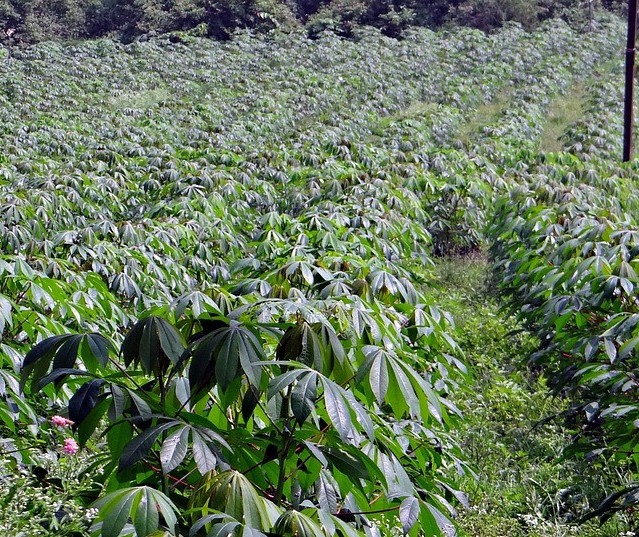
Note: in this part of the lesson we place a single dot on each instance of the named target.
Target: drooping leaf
(83, 401)
(140, 446)
(47, 360)
(174, 449)
(220, 356)
(297, 524)
(409, 513)
(205, 460)
(150, 342)
(326, 493)
(337, 409)
(303, 397)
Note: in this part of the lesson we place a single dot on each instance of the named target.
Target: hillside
(252, 287)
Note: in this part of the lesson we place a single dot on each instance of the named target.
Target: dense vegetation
(37, 20)
(218, 301)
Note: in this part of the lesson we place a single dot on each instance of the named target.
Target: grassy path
(524, 488)
(564, 111)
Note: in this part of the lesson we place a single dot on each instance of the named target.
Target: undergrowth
(523, 486)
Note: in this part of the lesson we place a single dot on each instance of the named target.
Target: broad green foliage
(563, 242)
(213, 258)
(567, 259)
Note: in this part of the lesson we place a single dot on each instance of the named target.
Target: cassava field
(276, 286)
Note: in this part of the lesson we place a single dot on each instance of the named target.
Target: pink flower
(61, 422)
(70, 446)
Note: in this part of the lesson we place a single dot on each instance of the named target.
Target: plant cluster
(277, 367)
(219, 277)
(564, 246)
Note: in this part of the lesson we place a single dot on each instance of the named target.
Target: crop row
(213, 258)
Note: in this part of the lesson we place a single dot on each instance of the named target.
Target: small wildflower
(91, 513)
(61, 421)
(70, 446)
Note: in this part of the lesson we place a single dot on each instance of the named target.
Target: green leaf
(204, 458)
(139, 447)
(57, 374)
(232, 493)
(303, 397)
(37, 361)
(409, 513)
(174, 449)
(117, 511)
(224, 529)
(217, 357)
(67, 354)
(91, 421)
(326, 493)
(378, 378)
(611, 349)
(337, 409)
(99, 347)
(83, 401)
(142, 505)
(279, 383)
(6, 318)
(146, 518)
(443, 522)
(301, 343)
(346, 463)
(170, 340)
(249, 402)
(296, 524)
(149, 341)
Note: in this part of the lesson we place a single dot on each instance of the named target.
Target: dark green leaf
(139, 447)
(83, 401)
(303, 397)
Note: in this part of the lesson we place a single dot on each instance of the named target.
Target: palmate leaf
(199, 303)
(297, 523)
(57, 353)
(232, 493)
(392, 380)
(175, 446)
(142, 505)
(399, 484)
(301, 343)
(222, 355)
(150, 341)
(140, 446)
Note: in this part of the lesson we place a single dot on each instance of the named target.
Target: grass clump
(523, 486)
(563, 111)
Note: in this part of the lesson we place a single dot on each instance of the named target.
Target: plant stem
(286, 446)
